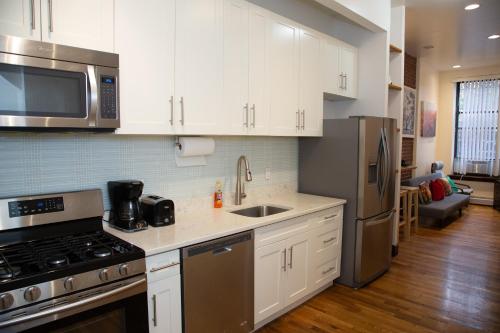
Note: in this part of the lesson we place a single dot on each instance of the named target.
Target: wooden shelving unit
(393, 86)
(394, 49)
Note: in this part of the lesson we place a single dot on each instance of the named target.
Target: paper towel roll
(195, 146)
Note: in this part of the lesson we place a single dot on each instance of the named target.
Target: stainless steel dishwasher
(217, 287)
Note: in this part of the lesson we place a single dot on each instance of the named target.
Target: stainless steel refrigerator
(354, 160)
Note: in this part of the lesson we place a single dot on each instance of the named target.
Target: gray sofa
(437, 212)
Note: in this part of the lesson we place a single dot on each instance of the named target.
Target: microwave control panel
(108, 97)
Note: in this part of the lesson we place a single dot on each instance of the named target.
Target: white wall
(428, 90)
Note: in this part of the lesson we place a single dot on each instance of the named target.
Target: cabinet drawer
(326, 246)
(280, 231)
(326, 272)
(331, 216)
(163, 265)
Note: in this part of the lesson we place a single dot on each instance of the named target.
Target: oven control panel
(36, 206)
(108, 97)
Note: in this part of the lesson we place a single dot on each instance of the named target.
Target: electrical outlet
(268, 173)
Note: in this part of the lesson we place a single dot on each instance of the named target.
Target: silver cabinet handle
(345, 83)
(298, 119)
(303, 119)
(253, 115)
(341, 75)
(171, 101)
(156, 269)
(329, 217)
(182, 110)
(245, 107)
(329, 240)
(32, 14)
(284, 260)
(291, 257)
(51, 22)
(328, 270)
(155, 321)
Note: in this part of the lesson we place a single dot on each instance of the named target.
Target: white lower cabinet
(164, 293)
(295, 258)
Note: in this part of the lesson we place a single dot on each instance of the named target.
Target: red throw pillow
(437, 190)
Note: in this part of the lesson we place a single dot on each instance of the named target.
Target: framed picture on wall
(428, 116)
(409, 111)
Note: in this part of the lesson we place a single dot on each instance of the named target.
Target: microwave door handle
(93, 105)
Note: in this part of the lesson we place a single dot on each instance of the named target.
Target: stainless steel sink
(260, 211)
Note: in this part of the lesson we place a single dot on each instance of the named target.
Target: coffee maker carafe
(126, 214)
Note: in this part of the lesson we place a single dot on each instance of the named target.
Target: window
(477, 140)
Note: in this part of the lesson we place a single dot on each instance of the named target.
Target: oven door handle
(71, 306)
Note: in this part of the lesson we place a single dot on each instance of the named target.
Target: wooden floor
(442, 281)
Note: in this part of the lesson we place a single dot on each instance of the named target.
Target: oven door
(118, 307)
(36, 92)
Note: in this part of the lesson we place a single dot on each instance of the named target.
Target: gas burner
(88, 243)
(6, 273)
(57, 260)
(2, 261)
(102, 252)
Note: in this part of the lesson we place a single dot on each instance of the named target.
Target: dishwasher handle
(217, 246)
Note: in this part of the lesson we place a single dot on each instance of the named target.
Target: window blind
(477, 139)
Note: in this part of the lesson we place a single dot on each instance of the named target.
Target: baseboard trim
(292, 306)
(395, 250)
(481, 201)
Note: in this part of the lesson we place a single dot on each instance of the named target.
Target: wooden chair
(412, 210)
(403, 213)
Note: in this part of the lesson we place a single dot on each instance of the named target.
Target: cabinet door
(349, 68)
(236, 109)
(81, 23)
(283, 88)
(164, 305)
(198, 66)
(258, 99)
(311, 93)
(297, 272)
(330, 63)
(269, 279)
(20, 18)
(146, 87)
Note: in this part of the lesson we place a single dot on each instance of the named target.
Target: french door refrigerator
(354, 160)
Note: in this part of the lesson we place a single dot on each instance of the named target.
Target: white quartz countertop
(207, 224)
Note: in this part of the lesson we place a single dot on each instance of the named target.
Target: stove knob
(6, 301)
(123, 269)
(32, 293)
(104, 275)
(70, 284)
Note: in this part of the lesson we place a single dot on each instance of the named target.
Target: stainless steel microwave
(45, 85)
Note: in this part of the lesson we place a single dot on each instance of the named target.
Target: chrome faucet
(240, 188)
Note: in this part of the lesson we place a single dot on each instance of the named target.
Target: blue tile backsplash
(34, 163)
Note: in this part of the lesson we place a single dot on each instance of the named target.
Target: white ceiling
(458, 36)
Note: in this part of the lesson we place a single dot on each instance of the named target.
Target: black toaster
(157, 211)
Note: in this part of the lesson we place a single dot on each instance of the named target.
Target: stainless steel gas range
(59, 271)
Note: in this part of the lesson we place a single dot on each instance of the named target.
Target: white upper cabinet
(20, 18)
(147, 87)
(258, 98)
(339, 64)
(198, 67)
(282, 75)
(348, 66)
(81, 23)
(235, 68)
(310, 87)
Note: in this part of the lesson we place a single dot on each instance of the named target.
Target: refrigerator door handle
(388, 166)
(379, 168)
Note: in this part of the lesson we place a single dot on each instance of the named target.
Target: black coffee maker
(126, 214)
